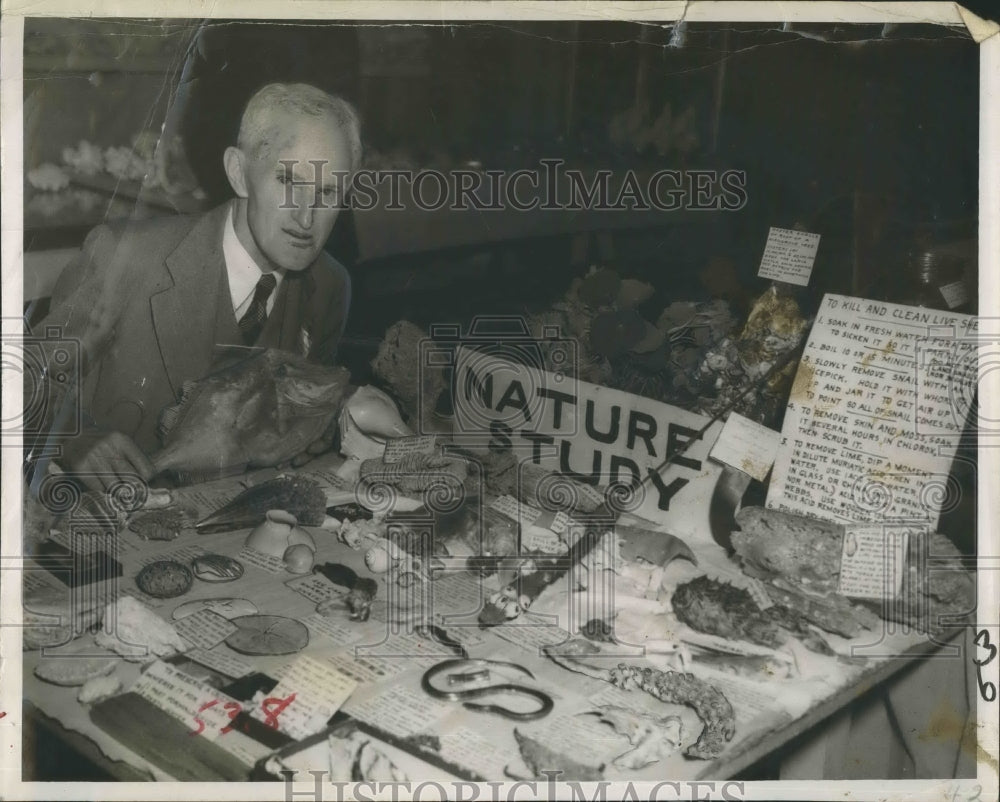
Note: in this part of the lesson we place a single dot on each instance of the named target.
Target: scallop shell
(378, 560)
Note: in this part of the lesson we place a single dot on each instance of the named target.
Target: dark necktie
(252, 322)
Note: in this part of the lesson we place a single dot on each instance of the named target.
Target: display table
(388, 657)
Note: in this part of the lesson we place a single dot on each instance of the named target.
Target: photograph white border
(11, 259)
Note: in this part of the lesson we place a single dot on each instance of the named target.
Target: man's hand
(100, 459)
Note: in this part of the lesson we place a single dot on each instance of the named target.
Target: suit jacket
(148, 301)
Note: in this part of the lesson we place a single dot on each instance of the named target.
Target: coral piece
(614, 333)
(72, 670)
(164, 579)
(162, 524)
(676, 687)
(301, 497)
(398, 364)
(139, 634)
(600, 288)
(632, 292)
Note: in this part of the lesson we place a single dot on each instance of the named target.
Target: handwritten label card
(873, 561)
(205, 629)
(189, 700)
(318, 689)
(315, 587)
(746, 445)
(789, 256)
(875, 412)
(258, 559)
(539, 538)
(399, 447)
(523, 513)
(955, 294)
(221, 661)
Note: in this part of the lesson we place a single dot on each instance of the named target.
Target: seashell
(299, 558)
(277, 533)
(216, 568)
(377, 560)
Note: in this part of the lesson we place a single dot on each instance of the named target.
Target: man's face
(292, 203)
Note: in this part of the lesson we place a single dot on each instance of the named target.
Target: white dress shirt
(243, 271)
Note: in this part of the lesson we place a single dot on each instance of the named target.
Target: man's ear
(234, 160)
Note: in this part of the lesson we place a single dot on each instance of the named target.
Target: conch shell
(367, 420)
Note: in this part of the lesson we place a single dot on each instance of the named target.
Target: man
(149, 301)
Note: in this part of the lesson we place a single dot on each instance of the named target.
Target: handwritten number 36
(986, 689)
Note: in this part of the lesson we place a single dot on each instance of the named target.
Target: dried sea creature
(361, 591)
(257, 412)
(652, 738)
(720, 608)
(673, 687)
(298, 495)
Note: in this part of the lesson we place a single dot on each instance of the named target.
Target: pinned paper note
(399, 447)
(311, 691)
(872, 562)
(205, 629)
(955, 294)
(746, 445)
(789, 256)
(523, 513)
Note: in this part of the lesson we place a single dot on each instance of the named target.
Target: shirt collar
(242, 270)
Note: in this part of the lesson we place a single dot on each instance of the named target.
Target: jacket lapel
(184, 311)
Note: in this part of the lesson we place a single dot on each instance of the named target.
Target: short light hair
(264, 112)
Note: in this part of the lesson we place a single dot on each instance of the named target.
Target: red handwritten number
(986, 689)
(272, 708)
(234, 709)
(200, 723)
